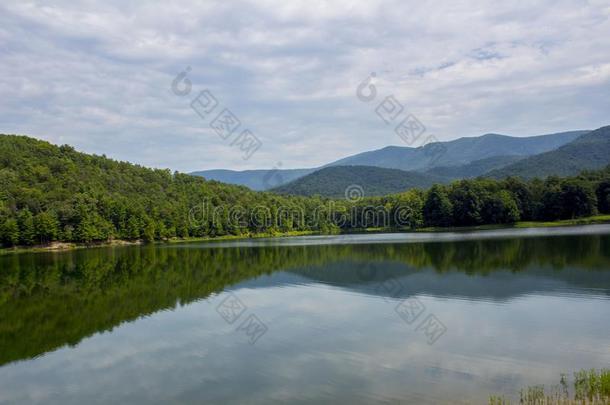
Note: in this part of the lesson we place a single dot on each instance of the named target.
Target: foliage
(438, 209)
(577, 200)
(500, 208)
(603, 196)
(408, 209)
(590, 387)
(10, 232)
(57, 194)
(52, 193)
(375, 181)
(467, 199)
(589, 151)
(475, 168)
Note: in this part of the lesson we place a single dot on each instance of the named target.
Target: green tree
(500, 208)
(27, 232)
(577, 199)
(408, 209)
(9, 232)
(438, 209)
(550, 207)
(182, 230)
(133, 228)
(603, 196)
(93, 227)
(46, 226)
(523, 197)
(149, 231)
(160, 230)
(467, 199)
(67, 234)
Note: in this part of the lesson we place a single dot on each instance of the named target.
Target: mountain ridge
(590, 151)
(256, 179)
(458, 152)
(333, 181)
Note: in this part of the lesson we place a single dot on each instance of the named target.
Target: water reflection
(333, 334)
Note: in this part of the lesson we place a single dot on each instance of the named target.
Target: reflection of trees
(49, 300)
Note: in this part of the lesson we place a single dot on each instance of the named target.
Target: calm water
(375, 318)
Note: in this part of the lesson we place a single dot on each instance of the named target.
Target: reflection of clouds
(324, 343)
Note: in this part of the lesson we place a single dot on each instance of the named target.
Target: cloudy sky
(98, 75)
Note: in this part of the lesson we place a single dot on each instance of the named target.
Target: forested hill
(50, 192)
(474, 169)
(374, 181)
(54, 193)
(589, 151)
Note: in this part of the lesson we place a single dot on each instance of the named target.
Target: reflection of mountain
(394, 279)
(50, 300)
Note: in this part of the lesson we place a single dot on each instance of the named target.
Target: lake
(387, 318)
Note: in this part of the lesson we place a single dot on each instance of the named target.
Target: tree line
(50, 193)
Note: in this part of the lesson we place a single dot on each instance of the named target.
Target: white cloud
(98, 75)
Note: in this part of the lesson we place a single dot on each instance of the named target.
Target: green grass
(597, 219)
(589, 387)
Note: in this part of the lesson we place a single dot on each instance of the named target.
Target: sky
(296, 76)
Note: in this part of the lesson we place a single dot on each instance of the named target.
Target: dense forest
(50, 193)
(375, 181)
(590, 151)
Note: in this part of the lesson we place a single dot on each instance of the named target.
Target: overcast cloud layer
(98, 75)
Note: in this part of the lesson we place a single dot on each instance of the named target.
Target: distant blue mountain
(459, 152)
(478, 152)
(255, 179)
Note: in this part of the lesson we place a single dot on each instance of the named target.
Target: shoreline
(55, 247)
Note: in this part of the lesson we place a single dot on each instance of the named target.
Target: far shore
(67, 246)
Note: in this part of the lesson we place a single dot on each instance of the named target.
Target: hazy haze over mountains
(255, 179)
(589, 151)
(561, 154)
(478, 152)
(458, 152)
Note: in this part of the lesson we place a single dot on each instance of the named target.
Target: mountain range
(588, 152)
(394, 169)
(255, 179)
(333, 181)
(458, 152)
